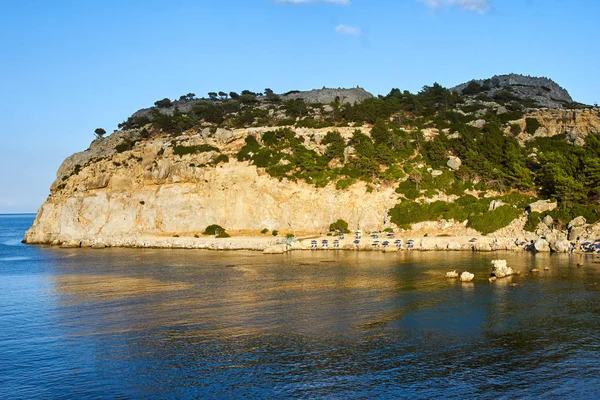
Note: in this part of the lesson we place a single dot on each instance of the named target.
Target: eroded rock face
(147, 190)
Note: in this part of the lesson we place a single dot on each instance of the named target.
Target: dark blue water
(119, 323)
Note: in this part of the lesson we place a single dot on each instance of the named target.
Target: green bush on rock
(340, 225)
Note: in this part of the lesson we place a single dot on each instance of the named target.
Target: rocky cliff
(545, 92)
(102, 195)
(326, 95)
(171, 176)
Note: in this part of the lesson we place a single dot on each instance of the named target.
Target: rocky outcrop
(541, 206)
(577, 124)
(500, 269)
(326, 95)
(544, 91)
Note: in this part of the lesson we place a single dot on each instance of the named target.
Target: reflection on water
(175, 323)
(111, 286)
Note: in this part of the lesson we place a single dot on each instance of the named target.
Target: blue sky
(68, 67)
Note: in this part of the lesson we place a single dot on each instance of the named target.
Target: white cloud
(348, 30)
(478, 6)
(345, 2)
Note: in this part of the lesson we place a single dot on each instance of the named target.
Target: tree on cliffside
(100, 132)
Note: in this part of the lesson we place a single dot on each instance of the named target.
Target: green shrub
(339, 225)
(409, 189)
(491, 221)
(389, 230)
(164, 103)
(515, 129)
(213, 230)
(275, 232)
(533, 220)
(126, 145)
(201, 148)
(466, 207)
(344, 183)
(221, 158)
(531, 125)
(264, 231)
(223, 234)
(290, 236)
(250, 148)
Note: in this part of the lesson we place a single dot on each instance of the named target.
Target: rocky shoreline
(278, 245)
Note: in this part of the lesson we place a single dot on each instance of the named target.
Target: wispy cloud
(478, 6)
(344, 2)
(348, 30)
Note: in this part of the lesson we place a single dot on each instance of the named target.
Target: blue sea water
(148, 323)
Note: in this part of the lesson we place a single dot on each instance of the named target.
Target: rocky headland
(159, 186)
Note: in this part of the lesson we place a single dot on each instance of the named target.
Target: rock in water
(541, 245)
(561, 246)
(500, 269)
(466, 277)
(452, 274)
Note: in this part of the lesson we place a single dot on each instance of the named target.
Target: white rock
(454, 246)
(561, 246)
(500, 269)
(275, 249)
(452, 274)
(541, 245)
(454, 163)
(495, 204)
(466, 277)
(542, 206)
(576, 222)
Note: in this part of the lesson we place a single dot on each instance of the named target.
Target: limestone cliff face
(126, 186)
(103, 195)
(577, 124)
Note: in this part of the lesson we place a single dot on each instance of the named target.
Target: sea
(178, 324)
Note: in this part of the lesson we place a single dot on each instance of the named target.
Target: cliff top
(542, 92)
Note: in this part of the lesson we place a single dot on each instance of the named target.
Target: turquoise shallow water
(124, 323)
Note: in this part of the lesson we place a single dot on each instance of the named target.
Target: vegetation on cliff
(400, 139)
